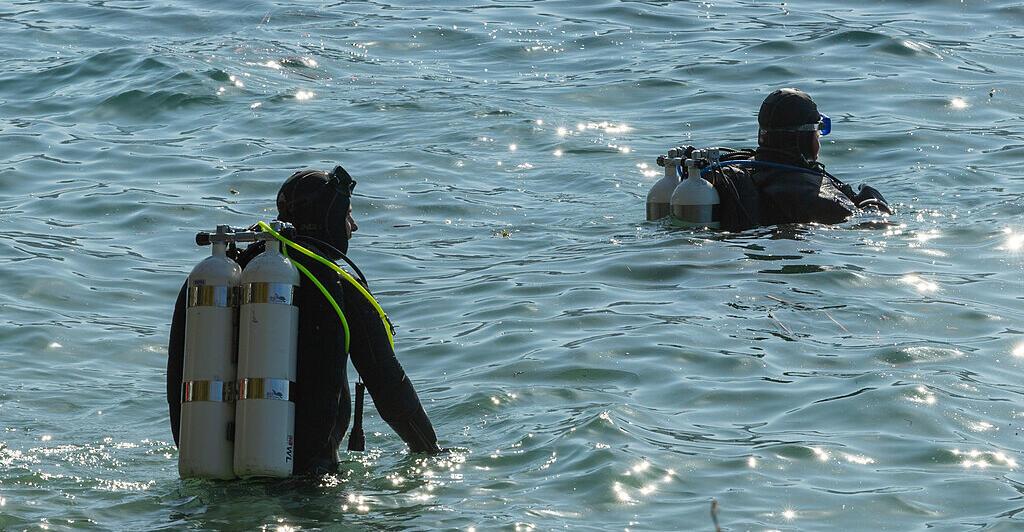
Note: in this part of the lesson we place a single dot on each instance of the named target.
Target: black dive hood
(781, 113)
(317, 204)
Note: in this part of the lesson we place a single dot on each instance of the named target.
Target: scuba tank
(660, 195)
(208, 376)
(694, 200)
(268, 339)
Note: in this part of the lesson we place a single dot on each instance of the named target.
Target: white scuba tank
(694, 199)
(267, 342)
(208, 375)
(660, 195)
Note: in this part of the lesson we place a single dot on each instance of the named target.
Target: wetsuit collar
(775, 155)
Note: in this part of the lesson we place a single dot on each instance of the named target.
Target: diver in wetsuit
(319, 206)
(785, 183)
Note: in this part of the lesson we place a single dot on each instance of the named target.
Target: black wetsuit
(803, 193)
(322, 402)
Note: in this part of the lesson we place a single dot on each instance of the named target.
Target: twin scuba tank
(682, 193)
(241, 332)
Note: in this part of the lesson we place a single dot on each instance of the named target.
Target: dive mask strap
(823, 126)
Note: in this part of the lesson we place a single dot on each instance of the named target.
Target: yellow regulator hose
(345, 275)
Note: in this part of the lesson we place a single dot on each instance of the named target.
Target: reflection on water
(1014, 241)
(923, 396)
(983, 459)
(641, 482)
(921, 285)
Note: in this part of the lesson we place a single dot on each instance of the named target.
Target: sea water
(588, 369)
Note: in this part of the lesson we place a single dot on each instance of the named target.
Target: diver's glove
(869, 197)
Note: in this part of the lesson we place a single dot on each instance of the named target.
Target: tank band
(214, 391)
(697, 215)
(263, 388)
(212, 296)
(657, 211)
(276, 293)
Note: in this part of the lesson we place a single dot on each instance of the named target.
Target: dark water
(593, 371)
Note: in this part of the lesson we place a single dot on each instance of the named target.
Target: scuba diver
(782, 181)
(318, 205)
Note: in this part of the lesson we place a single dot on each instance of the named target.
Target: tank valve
(227, 234)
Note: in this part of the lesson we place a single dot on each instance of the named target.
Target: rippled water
(593, 371)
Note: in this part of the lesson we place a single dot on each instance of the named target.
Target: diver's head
(789, 121)
(319, 205)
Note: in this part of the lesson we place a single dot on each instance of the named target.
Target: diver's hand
(869, 197)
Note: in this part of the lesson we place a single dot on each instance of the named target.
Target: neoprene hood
(317, 204)
(787, 108)
(783, 111)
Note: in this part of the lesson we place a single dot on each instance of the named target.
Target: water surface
(590, 369)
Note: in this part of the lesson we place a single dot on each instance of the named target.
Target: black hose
(357, 440)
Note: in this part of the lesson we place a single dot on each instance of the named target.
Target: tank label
(261, 388)
(273, 293)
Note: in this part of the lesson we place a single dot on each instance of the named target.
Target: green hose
(345, 275)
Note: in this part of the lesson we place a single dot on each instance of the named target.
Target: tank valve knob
(222, 234)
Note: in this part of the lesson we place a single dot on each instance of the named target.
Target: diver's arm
(392, 391)
(175, 362)
(832, 204)
(790, 197)
(866, 197)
